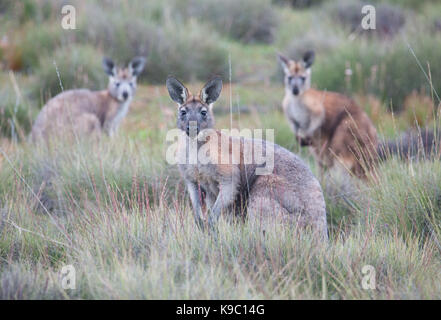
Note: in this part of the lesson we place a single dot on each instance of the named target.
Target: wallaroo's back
(256, 178)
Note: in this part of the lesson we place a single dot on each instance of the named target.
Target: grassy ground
(118, 213)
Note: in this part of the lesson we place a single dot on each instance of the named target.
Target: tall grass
(16, 110)
(378, 69)
(118, 213)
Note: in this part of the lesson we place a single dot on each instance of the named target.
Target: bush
(15, 116)
(180, 51)
(319, 40)
(78, 67)
(389, 19)
(119, 37)
(389, 71)
(39, 42)
(16, 112)
(187, 50)
(31, 10)
(299, 3)
(247, 21)
(406, 3)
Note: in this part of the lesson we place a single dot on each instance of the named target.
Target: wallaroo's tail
(421, 144)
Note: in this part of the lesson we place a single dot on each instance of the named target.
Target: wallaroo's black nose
(125, 95)
(295, 91)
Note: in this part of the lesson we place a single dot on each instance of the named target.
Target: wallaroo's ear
(137, 65)
(109, 67)
(178, 92)
(284, 62)
(211, 91)
(308, 58)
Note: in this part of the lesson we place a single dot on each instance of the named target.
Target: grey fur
(90, 113)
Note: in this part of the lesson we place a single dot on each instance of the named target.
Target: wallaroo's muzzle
(192, 129)
(295, 90)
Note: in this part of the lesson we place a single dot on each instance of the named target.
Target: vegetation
(117, 212)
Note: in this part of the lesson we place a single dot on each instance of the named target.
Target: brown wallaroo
(336, 129)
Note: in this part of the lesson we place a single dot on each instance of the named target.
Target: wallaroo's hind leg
(280, 204)
(87, 124)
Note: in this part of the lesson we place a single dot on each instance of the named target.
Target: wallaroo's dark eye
(131, 84)
(204, 113)
(303, 79)
(183, 112)
(117, 84)
(290, 78)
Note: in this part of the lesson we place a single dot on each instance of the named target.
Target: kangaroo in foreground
(333, 125)
(288, 193)
(91, 112)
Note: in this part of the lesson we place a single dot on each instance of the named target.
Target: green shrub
(119, 37)
(389, 71)
(15, 115)
(299, 3)
(180, 51)
(185, 49)
(389, 19)
(247, 21)
(406, 3)
(321, 41)
(78, 67)
(16, 111)
(41, 41)
(31, 10)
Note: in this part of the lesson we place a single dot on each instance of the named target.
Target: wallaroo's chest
(204, 175)
(296, 110)
(306, 112)
(192, 165)
(199, 171)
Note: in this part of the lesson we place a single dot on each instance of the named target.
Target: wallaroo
(288, 192)
(91, 112)
(331, 124)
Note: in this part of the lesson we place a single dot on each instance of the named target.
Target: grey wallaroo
(90, 112)
(288, 193)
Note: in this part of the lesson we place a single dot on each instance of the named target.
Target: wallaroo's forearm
(193, 191)
(225, 199)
